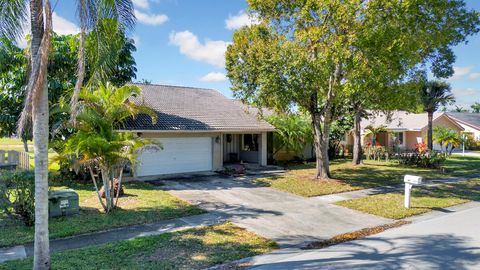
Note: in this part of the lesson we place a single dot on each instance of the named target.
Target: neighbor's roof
(193, 109)
(470, 119)
(400, 120)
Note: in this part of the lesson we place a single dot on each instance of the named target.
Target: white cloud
(141, 4)
(240, 20)
(474, 76)
(468, 92)
(211, 52)
(214, 77)
(460, 72)
(151, 19)
(63, 26)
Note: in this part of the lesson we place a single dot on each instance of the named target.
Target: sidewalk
(104, 237)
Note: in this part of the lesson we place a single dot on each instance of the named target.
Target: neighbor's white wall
(469, 129)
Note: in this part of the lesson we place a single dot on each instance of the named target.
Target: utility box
(62, 203)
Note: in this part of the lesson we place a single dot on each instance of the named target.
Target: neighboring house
(469, 121)
(405, 129)
(199, 130)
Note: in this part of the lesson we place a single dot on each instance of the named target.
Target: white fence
(10, 158)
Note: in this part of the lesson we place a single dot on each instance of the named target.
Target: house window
(250, 142)
(398, 138)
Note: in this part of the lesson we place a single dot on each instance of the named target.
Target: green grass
(299, 179)
(423, 200)
(142, 204)
(190, 249)
(13, 141)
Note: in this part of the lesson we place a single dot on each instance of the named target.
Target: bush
(376, 152)
(17, 195)
(429, 160)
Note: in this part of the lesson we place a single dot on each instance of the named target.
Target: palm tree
(374, 131)
(433, 95)
(96, 144)
(13, 14)
(448, 137)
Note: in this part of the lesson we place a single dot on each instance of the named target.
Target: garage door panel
(179, 155)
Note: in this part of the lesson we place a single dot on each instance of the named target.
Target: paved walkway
(450, 241)
(288, 219)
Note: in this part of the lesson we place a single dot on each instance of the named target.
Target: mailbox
(413, 180)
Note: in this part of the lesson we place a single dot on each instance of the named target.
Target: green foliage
(17, 195)
(376, 152)
(475, 107)
(435, 94)
(96, 143)
(319, 55)
(446, 137)
(337, 134)
(62, 69)
(429, 160)
(374, 131)
(293, 132)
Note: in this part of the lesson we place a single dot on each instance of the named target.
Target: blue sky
(181, 42)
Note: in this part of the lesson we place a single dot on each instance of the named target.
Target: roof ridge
(176, 86)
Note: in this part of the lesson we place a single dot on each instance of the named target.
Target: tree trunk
(106, 186)
(39, 105)
(321, 146)
(81, 61)
(430, 131)
(25, 143)
(357, 141)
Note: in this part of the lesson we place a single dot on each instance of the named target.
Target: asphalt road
(451, 241)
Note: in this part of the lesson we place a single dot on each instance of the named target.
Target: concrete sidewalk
(104, 237)
(451, 241)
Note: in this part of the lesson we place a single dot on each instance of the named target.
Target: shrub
(376, 152)
(17, 195)
(423, 159)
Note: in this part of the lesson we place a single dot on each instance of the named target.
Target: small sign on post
(410, 181)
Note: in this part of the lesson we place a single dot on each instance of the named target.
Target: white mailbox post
(410, 181)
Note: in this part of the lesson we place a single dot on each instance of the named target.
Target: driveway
(448, 242)
(288, 219)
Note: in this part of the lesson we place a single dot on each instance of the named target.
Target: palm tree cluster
(96, 145)
(447, 137)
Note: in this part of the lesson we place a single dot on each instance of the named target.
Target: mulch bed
(350, 236)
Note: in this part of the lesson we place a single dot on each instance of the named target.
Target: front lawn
(299, 178)
(190, 249)
(142, 203)
(423, 200)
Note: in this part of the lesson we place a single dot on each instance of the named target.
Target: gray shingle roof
(471, 119)
(193, 109)
(399, 120)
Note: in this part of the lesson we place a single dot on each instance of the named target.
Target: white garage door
(179, 155)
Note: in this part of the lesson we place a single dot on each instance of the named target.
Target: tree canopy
(315, 55)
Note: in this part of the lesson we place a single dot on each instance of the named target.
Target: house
(469, 121)
(199, 130)
(404, 130)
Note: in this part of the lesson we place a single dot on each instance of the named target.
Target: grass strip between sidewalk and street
(423, 200)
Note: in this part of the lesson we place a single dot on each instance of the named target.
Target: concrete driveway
(448, 242)
(288, 219)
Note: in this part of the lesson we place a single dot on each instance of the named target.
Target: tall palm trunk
(357, 144)
(430, 130)
(38, 93)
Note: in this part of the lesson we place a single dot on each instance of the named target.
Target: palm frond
(13, 14)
